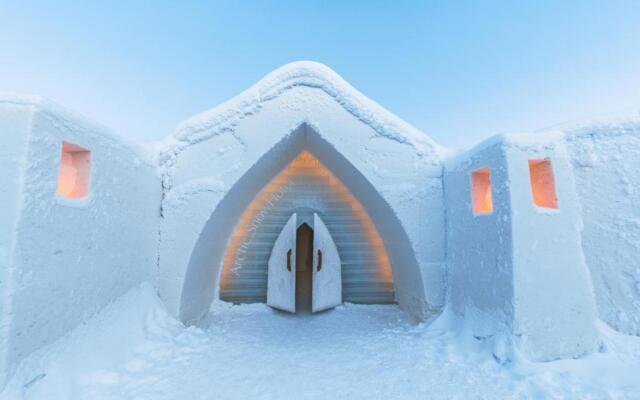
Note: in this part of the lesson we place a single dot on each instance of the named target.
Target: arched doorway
(306, 187)
(203, 274)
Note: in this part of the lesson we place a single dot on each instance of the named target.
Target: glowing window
(543, 186)
(75, 171)
(481, 198)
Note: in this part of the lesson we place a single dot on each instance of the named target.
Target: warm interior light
(543, 186)
(74, 175)
(481, 198)
(302, 164)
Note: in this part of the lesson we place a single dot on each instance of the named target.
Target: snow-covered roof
(302, 73)
(52, 108)
(74, 121)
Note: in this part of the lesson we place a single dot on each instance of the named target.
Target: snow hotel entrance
(306, 244)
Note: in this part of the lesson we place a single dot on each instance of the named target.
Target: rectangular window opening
(75, 172)
(481, 198)
(543, 186)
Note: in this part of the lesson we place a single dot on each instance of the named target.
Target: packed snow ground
(135, 350)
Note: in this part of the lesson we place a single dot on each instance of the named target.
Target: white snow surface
(225, 117)
(249, 139)
(133, 349)
(605, 160)
(141, 152)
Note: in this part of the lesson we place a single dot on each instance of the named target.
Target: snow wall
(219, 160)
(62, 259)
(15, 121)
(520, 268)
(606, 160)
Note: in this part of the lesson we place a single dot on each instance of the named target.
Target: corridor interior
(306, 187)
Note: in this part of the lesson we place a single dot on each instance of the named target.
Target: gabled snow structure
(529, 238)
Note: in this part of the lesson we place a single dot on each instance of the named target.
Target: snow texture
(248, 140)
(135, 350)
(224, 118)
(606, 160)
(527, 282)
(509, 268)
(67, 257)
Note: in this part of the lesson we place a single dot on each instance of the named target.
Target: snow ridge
(226, 116)
(76, 122)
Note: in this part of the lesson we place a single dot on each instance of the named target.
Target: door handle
(289, 260)
(319, 260)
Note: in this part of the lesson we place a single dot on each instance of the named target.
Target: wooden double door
(325, 267)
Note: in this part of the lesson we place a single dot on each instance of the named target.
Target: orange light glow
(481, 197)
(74, 175)
(543, 186)
(304, 163)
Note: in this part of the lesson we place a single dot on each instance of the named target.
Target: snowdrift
(532, 236)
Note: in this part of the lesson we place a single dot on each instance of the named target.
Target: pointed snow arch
(201, 279)
(307, 188)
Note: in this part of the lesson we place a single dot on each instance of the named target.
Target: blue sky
(460, 71)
